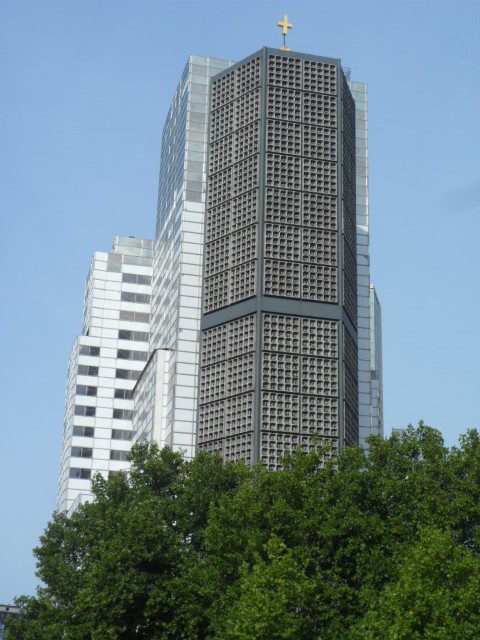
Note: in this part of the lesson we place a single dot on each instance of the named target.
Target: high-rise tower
(376, 365)
(369, 330)
(177, 286)
(290, 323)
(279, 364)
(106, 361)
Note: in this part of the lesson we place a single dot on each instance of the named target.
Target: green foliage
(436, 594)
(384, 545)
(275, 598)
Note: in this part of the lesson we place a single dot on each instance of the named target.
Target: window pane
(126, 394)
(80, 474)
(122, 414)
(119, 455)
(86, 350)
(121, 434)
(85, 432)
(81, 452)
(87, 370)
(84, 390)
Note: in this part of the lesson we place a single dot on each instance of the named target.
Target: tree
(436, 594)
(276, 599)
(204, 549)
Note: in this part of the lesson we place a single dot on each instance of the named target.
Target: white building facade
(150, 400)
(106, 361)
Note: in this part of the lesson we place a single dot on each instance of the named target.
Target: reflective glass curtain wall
(376, 361)
(370, 422)
(179, 247)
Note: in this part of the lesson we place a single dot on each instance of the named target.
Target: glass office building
(376, 362)
(369, 422)
(177, 286)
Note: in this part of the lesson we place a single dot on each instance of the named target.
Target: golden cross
(285, 24)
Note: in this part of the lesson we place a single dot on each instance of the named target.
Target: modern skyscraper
(368, 423)
(288, 322)
(106, 361)
(376, 366)
(177, 287)
(279, 325)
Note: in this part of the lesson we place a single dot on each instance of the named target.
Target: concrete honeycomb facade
(279, 318)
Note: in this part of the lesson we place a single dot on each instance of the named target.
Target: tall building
(179, 256)
(369, 424)
(279, 361)
(177, 287)
(106, 361)
(290, 334)
(376, 366)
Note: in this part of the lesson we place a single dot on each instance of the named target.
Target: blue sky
(85, 88)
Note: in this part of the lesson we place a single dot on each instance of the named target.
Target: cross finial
(285, 25)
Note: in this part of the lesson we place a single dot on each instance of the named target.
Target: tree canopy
(377, 546)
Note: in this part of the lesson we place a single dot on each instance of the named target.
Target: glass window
(127, 354)
(122, 414)
(196, 126)
(198, 88)
(139, 336)
(139, 298)
(80, 474)
(81, 410)
(81, 452)
(134, 316)
(84, 432)
(141, 262)
(84, 390)
(136, 278)
(87, 370)
(198, 117)
(197, 68)
(121, 434)
(125, 394)
(87, 350)
(127, 374)
(115, 454)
